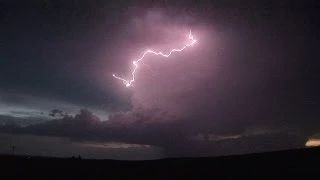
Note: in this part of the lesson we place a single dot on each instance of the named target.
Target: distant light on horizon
(312, 143)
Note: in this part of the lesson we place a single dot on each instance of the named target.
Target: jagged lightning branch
(136, 63)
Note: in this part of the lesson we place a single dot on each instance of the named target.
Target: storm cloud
(249, 85)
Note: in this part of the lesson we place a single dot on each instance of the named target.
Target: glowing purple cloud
(128, 82)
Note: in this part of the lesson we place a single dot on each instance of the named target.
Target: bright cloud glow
(128, 82)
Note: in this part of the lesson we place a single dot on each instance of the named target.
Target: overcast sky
(250, 83)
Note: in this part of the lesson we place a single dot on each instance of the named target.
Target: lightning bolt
(128, 82)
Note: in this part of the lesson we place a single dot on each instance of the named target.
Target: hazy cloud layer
(178, 138)
(250, 84)
(31, 145)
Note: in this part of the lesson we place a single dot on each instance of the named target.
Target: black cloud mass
(251, 84)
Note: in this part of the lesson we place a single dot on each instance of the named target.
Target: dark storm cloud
(256, 77)
(176, 138)
(47, 51)
(57, 113)
(21, 121)
(26, 106)
(248, 75)
(251, 84)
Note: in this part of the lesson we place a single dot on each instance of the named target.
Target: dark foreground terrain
(288, 164)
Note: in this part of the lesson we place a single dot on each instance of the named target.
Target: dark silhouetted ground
(272, 165)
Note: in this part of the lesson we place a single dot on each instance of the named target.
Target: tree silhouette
(13, 148)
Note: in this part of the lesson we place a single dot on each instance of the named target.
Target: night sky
(250, 84)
